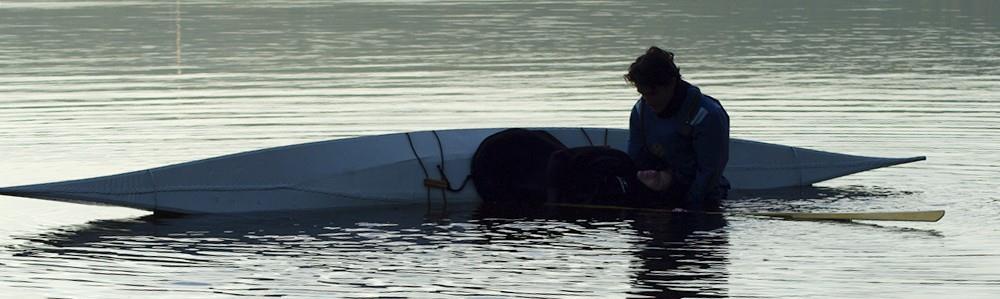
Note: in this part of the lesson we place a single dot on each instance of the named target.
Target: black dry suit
(690, 139)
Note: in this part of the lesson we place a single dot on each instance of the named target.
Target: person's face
(658, 97)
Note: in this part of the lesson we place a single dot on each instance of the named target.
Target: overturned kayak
(392, 169)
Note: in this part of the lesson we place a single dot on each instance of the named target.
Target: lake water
(90, 88)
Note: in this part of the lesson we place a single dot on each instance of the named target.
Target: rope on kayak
(587, 136)
(582, 130)
(444, 184)
(605, 136)
(440, 168)
(438, 183)
(422, 167)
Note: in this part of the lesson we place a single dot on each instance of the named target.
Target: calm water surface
(90, 88)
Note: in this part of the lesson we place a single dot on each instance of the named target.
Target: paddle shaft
(926, 216)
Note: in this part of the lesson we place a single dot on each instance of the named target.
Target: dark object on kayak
(510, 166)
(519, 166)
(595, 174)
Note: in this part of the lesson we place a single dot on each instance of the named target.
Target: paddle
(927, 216)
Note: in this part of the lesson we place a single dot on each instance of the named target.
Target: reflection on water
(404, 251)
(815, 197)
(678, 255)
(684, 256)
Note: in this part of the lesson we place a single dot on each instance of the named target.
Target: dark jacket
(697, 159)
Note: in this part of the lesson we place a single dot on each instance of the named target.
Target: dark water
(90, 88)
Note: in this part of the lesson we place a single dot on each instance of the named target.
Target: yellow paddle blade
(928, 216)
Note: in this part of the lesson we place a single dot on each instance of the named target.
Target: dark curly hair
(655, 68)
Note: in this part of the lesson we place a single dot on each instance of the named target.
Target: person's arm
(636, 139)
(711, 147)
(655, 179)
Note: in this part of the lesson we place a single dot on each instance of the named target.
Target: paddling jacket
(691, 142)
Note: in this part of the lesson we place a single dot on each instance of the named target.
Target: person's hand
(655, 179)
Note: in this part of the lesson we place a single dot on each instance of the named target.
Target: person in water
(678, 137)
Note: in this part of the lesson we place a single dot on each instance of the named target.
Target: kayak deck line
(18, 191)
(392, 168)
(881, 162)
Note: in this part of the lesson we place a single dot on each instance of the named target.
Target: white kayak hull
(383, 170)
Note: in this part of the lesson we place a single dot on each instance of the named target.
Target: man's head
(655, 76)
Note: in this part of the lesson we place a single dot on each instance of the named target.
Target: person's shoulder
(710, 109)
(708, 102)
(638, 106)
